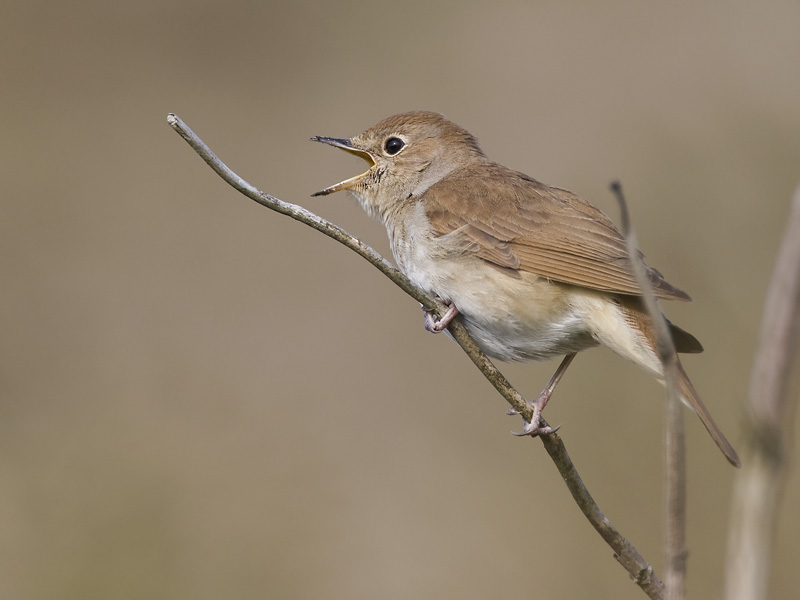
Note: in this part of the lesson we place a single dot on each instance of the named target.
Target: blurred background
(200, 398)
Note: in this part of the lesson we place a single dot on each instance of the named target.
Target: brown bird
(533, 270)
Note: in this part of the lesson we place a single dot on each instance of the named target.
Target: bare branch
(770, 412)
(638, 568)
(675, 535)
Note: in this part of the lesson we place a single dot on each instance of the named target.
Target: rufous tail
(690, 395)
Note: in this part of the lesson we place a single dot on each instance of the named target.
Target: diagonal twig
(638, 568)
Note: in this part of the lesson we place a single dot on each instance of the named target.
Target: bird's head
(406, 154)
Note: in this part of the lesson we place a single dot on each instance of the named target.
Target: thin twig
(675, 525)
(638, 568)
(771, 408)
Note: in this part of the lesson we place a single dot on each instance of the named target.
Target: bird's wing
(517, 223)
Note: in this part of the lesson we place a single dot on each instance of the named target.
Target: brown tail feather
(684, 341)
(690, 395)
(638, 319)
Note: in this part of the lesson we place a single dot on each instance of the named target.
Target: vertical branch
(675, 549)
(759, 485)
(675, 535)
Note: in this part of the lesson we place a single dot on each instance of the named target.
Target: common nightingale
(533, 271)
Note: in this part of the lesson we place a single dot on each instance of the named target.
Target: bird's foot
(435, 325)
(529, 429)
(536, 426)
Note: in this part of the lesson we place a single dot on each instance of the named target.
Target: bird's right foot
(435, 325)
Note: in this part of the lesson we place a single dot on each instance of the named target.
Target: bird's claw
(529, 429)
(435, 325)
(432, 324)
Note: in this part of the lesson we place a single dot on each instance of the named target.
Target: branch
(770, 412)
(675, 525)
(638, 568)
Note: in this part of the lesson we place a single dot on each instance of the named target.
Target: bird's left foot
(435, 325)
(534, 427)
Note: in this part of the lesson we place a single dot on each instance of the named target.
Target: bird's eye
(393, 145)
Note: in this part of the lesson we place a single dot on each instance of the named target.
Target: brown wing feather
(518, 223)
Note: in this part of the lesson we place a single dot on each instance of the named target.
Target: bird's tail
(690, 396)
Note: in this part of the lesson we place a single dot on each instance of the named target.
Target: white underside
(516, 318)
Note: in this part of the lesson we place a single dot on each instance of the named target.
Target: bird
(532, 271)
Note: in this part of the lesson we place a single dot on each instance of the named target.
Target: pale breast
(511, 317)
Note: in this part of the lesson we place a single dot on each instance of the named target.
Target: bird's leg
(437, 326)
(532, 428)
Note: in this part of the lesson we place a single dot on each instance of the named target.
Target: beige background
(202, 399)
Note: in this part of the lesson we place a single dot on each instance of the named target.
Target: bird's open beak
(347, 146)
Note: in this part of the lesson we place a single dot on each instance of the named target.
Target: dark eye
(393, 145)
